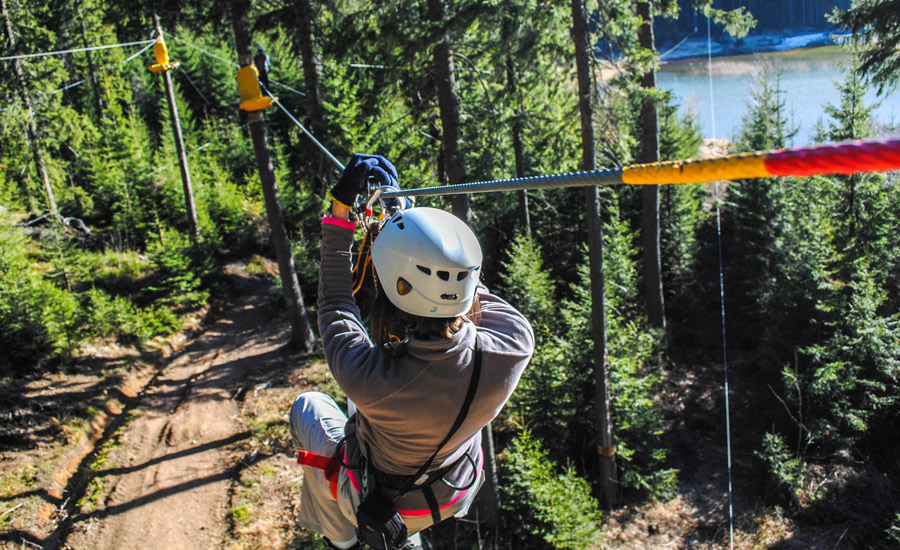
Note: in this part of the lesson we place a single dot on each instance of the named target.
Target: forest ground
(186, 445)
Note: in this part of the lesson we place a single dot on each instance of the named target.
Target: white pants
(317, 426)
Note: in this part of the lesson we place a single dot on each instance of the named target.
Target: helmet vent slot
(443, 275)
(449, 296)
(424, 269)
(403, 286)
(462, 275)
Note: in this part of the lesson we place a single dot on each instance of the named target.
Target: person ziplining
(441, 357)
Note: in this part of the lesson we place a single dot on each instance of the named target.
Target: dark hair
(392, 324)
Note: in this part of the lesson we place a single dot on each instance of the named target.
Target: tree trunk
(312, 65)
(92, 70)
(518, 148)
(302, 338)
(448, 103)
(605, 446)
(649, 123)
(31, 126)
(490, 494)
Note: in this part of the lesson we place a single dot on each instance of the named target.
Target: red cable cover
(845, 158)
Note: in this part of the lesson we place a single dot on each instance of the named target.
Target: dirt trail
(175, 463)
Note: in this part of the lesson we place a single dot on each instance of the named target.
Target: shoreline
(693, 47)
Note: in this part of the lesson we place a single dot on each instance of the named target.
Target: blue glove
(354, 179)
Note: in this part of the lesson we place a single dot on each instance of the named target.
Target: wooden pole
(179, 147)
(302, 338)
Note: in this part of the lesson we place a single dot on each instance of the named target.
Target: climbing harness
(330, 465)
(377, 517)
(364, 263)
(379, 524)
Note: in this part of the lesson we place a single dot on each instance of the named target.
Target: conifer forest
(717, 364)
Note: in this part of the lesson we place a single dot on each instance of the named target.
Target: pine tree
(873, 33)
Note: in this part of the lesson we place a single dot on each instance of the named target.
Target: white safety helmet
(428, 262)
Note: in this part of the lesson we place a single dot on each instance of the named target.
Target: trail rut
(174, 463)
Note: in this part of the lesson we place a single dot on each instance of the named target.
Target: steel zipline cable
(229, 62)
(76, 50)
(842, 158)
(149, 44)
(845, 158)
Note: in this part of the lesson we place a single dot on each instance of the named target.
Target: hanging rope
(76, 50)
(712, 106)
(712, 101)
(725, 363)
(846, 158)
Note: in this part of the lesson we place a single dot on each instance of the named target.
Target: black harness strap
(433, 506)
(460, 418)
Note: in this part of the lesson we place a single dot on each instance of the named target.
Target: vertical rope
(712, 101)
(712, 107)
(725, 362)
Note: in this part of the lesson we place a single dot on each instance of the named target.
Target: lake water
(807, 78)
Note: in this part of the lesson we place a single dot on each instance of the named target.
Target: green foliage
(872, 25)
(547, 509)
(773, 257)
(864, 205)
(36, 317)
(784, 466)
(181, 268)
(231, 220)
(526, 283)
(633, 364)
(814, 287)
(893, 532)
(39, 319)
(737, 23)
(851, 375)
(766, 125)
(119, 318)
(242, 513)
(546, 383)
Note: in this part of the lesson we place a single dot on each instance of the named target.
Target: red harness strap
(330, 465)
